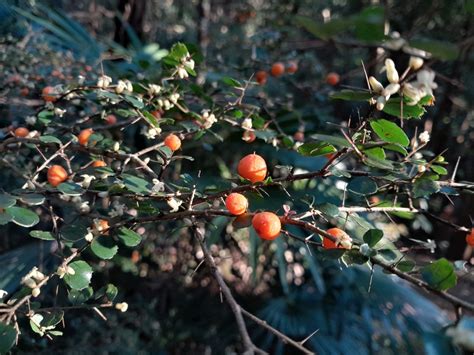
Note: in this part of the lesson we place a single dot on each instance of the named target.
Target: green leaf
(370, 24)
(439, 274)
(425, 187)
(134, 101)
(136, 184)
(45, 116)
(339, 141)
(376, 153)
(362, 185)
(111, 292)
(22, 216)
(51, 319)
(351, 95)
(372, 237)
(379, 163)
(7, 201)
(78, 297)
(49, 139)
(323, 30)
(104, 247)
(150, 118)
(82, 275)
(231, 82)
(5, 218)
(242, 221)
(129, 237)
(328, 209)
(406, 265)
(70, 189)
(352, 257)
(73, 232)
(42, 235)
(439, 49)
(7, 337)
(396, 148)
(389, 132)
(392, 107)
(439, 169)
(314, 149)
(32, 199)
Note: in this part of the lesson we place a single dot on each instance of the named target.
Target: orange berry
(103, 226)
(252, 167)
(56, 175)
(470, 238)
(21, 132)
(236, 203)
(173, 142)
(292, 67)
(374, 200)
(340, 235)
(135, 258)
(333, 79)
(299, 136)
(84, 135)
(267, 225)
(248, 136)
(49, 94)
(261, 77)
(156, 113)
(278, 69)
(98, 163)
(111, 119)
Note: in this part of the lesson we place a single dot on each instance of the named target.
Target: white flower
(425, 82)
(84, 207)
(247, 124)
(380, 103)
(153, 89)
(122, 307)
(61, 271)
(174, 97)
(118, 209)
(129, 85)
(390, 90)
(208, 118)
(182, 73)
(150, 133)
(29, 282)
(3, 293)
(89, 236)
(165, 104)
(87, 179)
(116, 146)
(158, 186)
(190, 64)
(421, 168)
(174, 203)
(104, 81)
(413, 93)
(59, 112)
(424, 137)
(31, 120)
(121, 86)
(392, 74)
(376, 86)
(70, 270)
(415, 63)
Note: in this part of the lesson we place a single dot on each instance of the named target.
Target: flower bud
(29, 283)
(89, 237)
(61, 271)
(415, 63)
(70, 270)
(36, 291)
(421, 168)
(390, 90)
(392, 74)
(122, 307)
(376, 86)
(381, 103)
(121, 86)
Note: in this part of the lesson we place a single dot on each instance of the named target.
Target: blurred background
(173, 310)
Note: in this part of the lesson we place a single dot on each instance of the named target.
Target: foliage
(364, 176)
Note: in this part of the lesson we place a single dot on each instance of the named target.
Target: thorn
(455, 169)
(366, 76)
(308, 337)
(101, 315)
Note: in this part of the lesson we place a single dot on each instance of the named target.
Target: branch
(236, 309)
